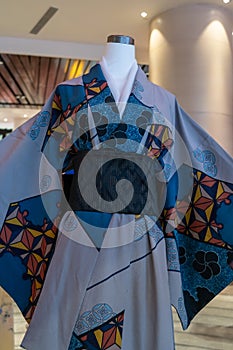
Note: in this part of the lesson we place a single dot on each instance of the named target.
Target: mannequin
(119, 54)
(119, 67)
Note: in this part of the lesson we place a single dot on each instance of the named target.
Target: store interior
(184, 46)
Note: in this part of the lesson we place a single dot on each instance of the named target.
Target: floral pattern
(206, 263)
(41, 121)
(208, 159)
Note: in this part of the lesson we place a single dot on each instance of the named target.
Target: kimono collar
(95, 81)
(120, 87)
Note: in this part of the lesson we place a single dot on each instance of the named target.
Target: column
(191, 55)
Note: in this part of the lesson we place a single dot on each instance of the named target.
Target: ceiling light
(1, 62)
(25, 115)
(226, 1)
(5, 120)
(144, 14)
(20, 97)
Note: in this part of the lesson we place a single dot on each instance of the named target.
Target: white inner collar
(120, 86)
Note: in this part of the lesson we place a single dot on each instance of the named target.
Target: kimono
(101, 276)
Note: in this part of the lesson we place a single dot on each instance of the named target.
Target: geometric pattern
(94, 87)
(33, 244)
(199, 221)
(64, 111)
(105, 336)
(160, 141)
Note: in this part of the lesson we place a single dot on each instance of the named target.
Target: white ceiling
(79, 28)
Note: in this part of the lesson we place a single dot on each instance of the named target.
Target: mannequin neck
(119, 58)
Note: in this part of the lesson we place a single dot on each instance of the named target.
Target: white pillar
(191, 55)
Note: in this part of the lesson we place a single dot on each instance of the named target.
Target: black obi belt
(113, 181)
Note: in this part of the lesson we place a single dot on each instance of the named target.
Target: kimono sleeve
(198, 214)
(27, 232)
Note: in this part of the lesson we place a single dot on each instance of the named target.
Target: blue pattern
(42, 120)
(137, 89)
(99, 314)
(182, 312)
(192, 278)
(208, 159)
(172, 255)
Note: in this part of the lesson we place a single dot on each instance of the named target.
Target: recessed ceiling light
(20, 97)
(144, 14)
(5, 120)
(1, 62)
(25, 115)
(226, 1)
